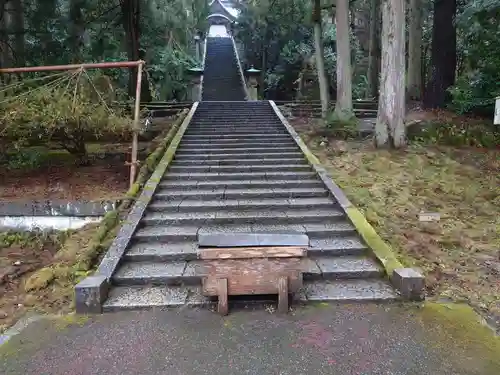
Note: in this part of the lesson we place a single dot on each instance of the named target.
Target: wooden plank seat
(244, 265)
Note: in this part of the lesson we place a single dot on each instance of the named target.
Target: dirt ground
(38, 271)
(460, 254)
(20, 256)
(60, 178)
(104, 179)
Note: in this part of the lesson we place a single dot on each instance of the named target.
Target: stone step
(240, 184)
(162, 252)
(241, 119)
(242, 155)
(222, 141)
(239, 168)
(179, 233)
(270, 204)
(217, 133)
(224, 193)
(190, 145)
(192, 272)
(336, 246)
(251, 150)
(211, 121)
(243, 176)
(147, 297)
(188, 250)
(256, 216)
(216, 162)
(228, 129)
(242, 136)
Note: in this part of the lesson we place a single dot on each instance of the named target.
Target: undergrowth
(460, 253)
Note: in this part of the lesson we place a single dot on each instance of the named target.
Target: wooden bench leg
(283, 294)
(222, 306)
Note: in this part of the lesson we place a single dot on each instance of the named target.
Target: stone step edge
(188, 205)
(240, 184)
(188, 251)
(192, 272)
(147, 297)
(218, 213)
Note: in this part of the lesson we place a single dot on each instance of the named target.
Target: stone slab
(349, 267)
(146, 272)
(131, 298)
(347, 290)
(410, 283)
(57, 208)
(90, 293)
(251, 239)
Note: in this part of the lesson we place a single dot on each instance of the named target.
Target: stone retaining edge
(409, 282)
(91, 292)
(240, 68)
(57, 208)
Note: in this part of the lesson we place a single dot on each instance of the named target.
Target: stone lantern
(252, 82)
(196, 75)
(496, 119)
(197, 40)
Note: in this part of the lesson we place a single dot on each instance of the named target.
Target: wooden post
(135, 136)
(223, 302)
(283, 294)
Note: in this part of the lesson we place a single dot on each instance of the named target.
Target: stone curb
(240, 68)
(92, 291)
(409, 282)
(57, 208)
(203, 66)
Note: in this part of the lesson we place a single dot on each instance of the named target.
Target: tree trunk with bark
(444, 54)
(131, 25)
(390, 128)
(415, 51)
(374, 50)
(6, 27)
(19, 41)
(320, 59)
(77, 30)
(343, 108)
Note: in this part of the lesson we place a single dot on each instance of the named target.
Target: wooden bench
(252, 270)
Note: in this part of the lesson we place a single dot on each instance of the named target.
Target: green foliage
(479, 80)
(342, 126)
(62, 111)
(453, 134)
(166, 35)
(280, 33)
(24, 158)
(33, 239)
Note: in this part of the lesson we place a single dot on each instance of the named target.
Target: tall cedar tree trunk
(6, 20)
(320, 59)
(77, 30)
(374, 50)
(19, 42)
(444, 54)
(131, 17)
(390, 127)
(415, 51)
(343, 108)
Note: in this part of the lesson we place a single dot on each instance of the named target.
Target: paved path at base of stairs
(358, 339)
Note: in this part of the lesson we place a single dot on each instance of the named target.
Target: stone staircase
(237, 169)
(222, 78)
